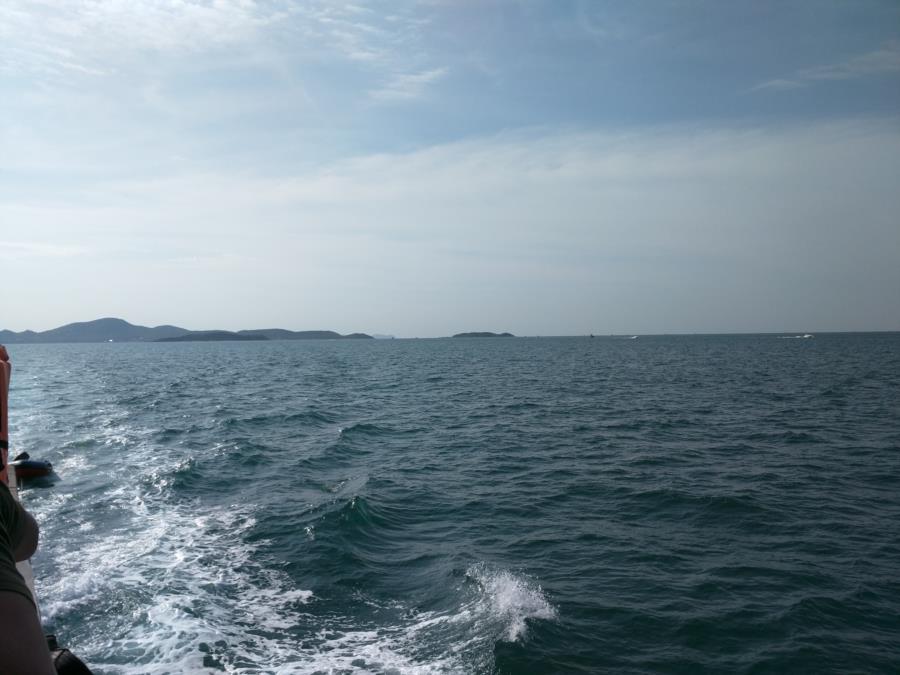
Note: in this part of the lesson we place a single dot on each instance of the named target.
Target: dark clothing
(12, 520)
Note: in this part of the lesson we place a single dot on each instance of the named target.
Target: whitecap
(508, 600)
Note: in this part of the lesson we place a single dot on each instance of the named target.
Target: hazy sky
(424, 168)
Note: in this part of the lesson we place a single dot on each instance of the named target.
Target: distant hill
(101, 330)
(211, 336)
(119, 330)
(282, 334)
(483, 334)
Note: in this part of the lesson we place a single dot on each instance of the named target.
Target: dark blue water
(658, 505)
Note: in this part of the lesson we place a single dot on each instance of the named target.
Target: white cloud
(11, 250)
(92, 37)
(407, 86)
(877, 62)
(667, 229)
(101, 38)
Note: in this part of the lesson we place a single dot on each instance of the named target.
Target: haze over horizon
(539, 168)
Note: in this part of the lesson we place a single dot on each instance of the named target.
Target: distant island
(119, 330)
(483, 334)
(282, 334)
(210, 336)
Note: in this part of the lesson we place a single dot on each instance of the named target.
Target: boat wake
(153, 562)
(147, 581)
(495, 605)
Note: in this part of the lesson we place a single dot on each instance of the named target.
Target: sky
(429, 167)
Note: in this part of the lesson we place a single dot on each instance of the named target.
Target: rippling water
(659, 505)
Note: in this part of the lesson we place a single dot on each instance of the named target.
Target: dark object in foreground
(65, 662)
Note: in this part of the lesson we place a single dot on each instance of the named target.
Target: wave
(278, 420)
(166, 585)
(674, 504)
(492, 605)
(213, 526)
(367, 429)
(141, 577)
(787, 437)
(507, 601)
(165, 581)
(361, 540)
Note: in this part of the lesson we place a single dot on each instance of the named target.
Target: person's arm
(23, 647)
(5, 370)
(29, 538)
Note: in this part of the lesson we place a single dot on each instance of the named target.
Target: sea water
(693, 504)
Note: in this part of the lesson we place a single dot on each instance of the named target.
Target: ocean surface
(690, 504)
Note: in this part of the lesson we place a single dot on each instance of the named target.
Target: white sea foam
(164, 586)
(383, 650)
(188, 579)
(494, 606)
(197, 583)
(509, 600)
(156, 578)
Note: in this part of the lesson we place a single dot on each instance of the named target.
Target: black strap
(66, 663)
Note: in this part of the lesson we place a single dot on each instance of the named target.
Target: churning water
(659, 505)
